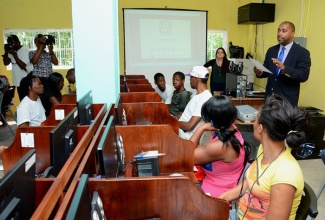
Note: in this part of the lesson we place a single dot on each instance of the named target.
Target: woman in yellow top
(275, 173)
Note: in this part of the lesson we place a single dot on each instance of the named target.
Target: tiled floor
(313, 170)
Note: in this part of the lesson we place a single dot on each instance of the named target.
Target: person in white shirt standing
(17, 55)
(191, 117)
(164, 91)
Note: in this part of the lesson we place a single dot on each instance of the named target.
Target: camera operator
(41, 59)
(17, 55)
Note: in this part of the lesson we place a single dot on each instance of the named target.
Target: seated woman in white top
(30, 111)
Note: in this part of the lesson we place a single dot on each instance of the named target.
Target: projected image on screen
(165, 39)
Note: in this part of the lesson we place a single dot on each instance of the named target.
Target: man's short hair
(292, 26)
(157, 75)
(26, 82)
(180, 74)
(14, 37)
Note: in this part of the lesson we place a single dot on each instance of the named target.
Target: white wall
(95, 27)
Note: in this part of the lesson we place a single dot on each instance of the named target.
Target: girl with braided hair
(222, 158)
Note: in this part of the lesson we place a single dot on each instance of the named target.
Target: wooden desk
(69, 99)
(155, 112)
(160, 197)
(52, 196)
(130, 97)
(138, 88)
(253, 102)
(132, 76)
(169, 191)
(51, 120)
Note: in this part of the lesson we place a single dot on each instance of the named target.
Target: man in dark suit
(290, 66)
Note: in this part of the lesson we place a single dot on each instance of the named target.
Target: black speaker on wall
(256, 13)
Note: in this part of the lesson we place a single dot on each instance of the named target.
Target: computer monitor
(17, 189)
(85, 108)
(80, 207)
(63, 140)
(107, 151)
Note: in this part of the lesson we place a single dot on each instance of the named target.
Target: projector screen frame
(167, 66)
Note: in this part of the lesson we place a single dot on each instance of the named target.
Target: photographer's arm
(37, 55)
(6, 59)
(54, 59)
(19, 62)
(40, 48)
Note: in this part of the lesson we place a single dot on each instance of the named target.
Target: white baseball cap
(199, 72)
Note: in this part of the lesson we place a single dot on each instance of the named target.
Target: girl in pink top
(222, 158)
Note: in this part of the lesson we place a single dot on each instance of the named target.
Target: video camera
(9, 45)
(48, 41)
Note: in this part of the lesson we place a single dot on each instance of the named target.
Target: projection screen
(164, 40)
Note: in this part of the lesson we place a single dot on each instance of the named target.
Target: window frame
(212, 46)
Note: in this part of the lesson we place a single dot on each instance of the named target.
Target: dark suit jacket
(287, 83)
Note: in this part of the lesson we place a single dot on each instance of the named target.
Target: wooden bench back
(62, 108)
(69, 98)
(164, 197)
(139, 76)
(130, 97)
(179, 153)
(155, 112)
(51, 198)
(41, 139)
(138, 88)
(136, 81)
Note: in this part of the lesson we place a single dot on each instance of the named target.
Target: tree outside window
(216, 39)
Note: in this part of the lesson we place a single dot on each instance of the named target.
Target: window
(63, 47)
(216, 39)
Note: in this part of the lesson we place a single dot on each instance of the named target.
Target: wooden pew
(179, 157)
(56, 191)
(130, 97)
(41, 143)
(133, 76)
(69, 99)
(87, 165)
(160, 197)
(179, 153)
(41, 140)
(135, 81)
(155, 112)
(51, 119)
(138, 88)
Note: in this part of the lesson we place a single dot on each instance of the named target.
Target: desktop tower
(148, 166)
(236, 85)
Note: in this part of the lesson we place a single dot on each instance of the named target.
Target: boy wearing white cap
(191, 117)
